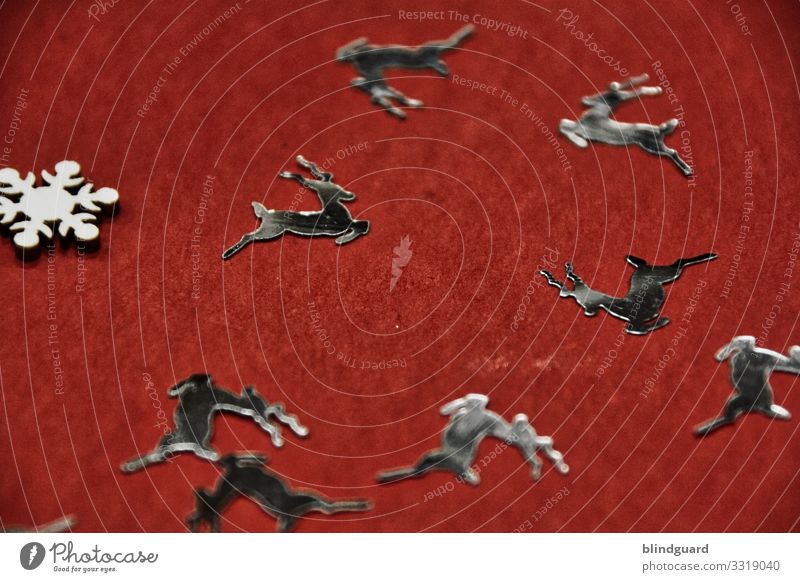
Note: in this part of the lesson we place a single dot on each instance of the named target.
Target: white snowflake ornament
(43, 206)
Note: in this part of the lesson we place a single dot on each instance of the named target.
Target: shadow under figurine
(333, 220)
(751, 368)
(370, 60)
(199, 400)
(470, 423)
(247, 476)
(597, 125)
(641, 306)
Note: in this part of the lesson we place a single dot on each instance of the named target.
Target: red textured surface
(478, 188)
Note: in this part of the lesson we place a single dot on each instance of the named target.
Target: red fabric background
(478, 188)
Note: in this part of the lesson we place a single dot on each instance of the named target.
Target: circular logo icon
(31, 555)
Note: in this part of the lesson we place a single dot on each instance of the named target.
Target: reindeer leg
(640, 328)
(733, 408)
(381, 96)
(534, 461)
(658, 147)
(133, 465)
(682, 166)
(331, 507)
(349, 235)
(286, 523)
(428, 462)
(245, 240)
(546, 444)
(408, 101)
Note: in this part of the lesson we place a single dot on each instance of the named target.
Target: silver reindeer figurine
(750, 371)
(333, 220)
(596, 124)
(370, 60)
(199, 400)
(470, 423)
(641, 306)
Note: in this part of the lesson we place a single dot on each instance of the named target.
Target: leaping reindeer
(470, 422)
(333, 220)
(750, 371)
(370, 60)
(596, 124)
(247, 476)
(199, 399)
(641, 306)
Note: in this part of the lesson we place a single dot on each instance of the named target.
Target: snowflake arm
(88, 199)
(14, 186)
(28, 235)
